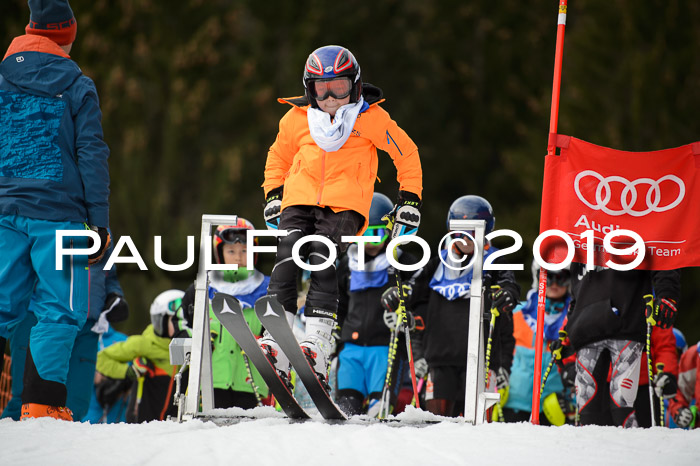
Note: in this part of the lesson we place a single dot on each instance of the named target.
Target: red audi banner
(592, 194)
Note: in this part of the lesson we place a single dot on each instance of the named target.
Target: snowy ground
(273, 440)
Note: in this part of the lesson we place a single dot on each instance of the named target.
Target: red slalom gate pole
(551, 147)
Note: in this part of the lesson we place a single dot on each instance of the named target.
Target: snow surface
(270, 439)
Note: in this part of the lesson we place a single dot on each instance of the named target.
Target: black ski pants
(300, 221)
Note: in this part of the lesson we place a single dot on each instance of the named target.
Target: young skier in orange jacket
(319, 179)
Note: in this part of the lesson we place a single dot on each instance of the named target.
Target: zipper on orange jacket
(323, 177)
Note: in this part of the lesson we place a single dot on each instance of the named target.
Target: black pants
(300, 221)
(224, 398)
(642, 407)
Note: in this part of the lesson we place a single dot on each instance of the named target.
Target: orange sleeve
(387, 136)
(281, 153)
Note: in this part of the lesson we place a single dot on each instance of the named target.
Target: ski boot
(317, 347)
(277, 358)
(31, 410)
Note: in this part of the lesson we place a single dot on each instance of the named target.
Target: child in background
(145, 360)
(234, 385)
(517, 406)
(446, 316)
(606, 325)
(364, 334)
(683, 407)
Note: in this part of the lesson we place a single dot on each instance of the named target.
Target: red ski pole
(551, 147)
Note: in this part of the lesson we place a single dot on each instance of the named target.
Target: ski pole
(556, 355)
(407, 331)
(650, 303)
(546, 375)
(250, 376)
(662, 411)
(492, 324)
(393, 346)
(421, 382)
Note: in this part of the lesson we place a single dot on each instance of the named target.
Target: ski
(271, 314)
(228, 310)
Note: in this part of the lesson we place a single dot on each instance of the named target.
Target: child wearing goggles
(319, 179)
(518, 406)
(444, 285)
(237, 383)
(364, 317)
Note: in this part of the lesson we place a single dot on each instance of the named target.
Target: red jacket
(688, 381)
(663, 350)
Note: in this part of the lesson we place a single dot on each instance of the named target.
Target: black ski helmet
(331, 62)
(381, 205)
(472, 208)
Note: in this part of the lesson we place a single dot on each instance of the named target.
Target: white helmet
(164, 306)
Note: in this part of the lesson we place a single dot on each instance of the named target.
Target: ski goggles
(174, 305)
(560, 278)
(462, 235)
(338, 88)
(380, 231)
(233, 235)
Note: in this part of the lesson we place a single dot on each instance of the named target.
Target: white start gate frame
(476, 399)
(200, 377)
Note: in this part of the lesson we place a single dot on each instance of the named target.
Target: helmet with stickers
(330, 63)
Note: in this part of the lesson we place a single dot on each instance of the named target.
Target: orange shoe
(30, 410)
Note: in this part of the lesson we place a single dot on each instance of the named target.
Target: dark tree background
(188, 92)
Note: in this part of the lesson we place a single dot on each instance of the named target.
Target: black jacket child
(447, 320)
(609, 304)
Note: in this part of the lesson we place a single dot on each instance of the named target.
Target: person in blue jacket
(518, 405)
(53, 176)
(107, 304)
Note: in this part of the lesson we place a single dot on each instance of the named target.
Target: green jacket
(229, 370)
(114, 360)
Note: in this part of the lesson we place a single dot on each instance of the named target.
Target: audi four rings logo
(628, 196)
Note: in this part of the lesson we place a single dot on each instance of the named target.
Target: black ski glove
(565, 358)
(390, 303)
(503, 299)
(110, 390)
(502, 378)
(660, 311)
(664, 383)
(273, 208)
(116, 308)
(684, 417)
(390, 298)
(404, 218)
(140, 367)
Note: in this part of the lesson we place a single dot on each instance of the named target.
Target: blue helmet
(681, 343)
(331, 62)
(472, 208)
(381, 205)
